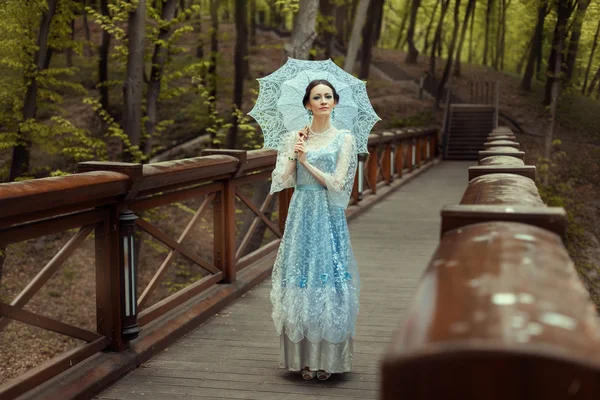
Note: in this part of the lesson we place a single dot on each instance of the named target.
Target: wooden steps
(469, 126)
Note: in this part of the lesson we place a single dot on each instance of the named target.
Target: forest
(86, 80)
(155, 80)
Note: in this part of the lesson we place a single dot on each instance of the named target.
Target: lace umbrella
(279, 107)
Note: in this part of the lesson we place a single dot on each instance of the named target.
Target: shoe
(323, 375)
(308, 374)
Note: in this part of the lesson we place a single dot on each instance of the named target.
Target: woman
(315, 277)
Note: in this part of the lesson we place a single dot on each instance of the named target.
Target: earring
(333, 114)
(310, 114)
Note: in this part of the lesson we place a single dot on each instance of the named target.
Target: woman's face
(321, 100)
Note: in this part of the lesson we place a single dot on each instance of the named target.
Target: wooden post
(386, 164)
(399, 159)
(418, 152)
(230, 270)
(372, 169)
(109, 281)
(219, 231)
(411, 152)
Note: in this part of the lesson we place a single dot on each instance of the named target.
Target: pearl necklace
(319, 134)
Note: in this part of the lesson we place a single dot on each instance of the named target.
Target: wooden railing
(500, 311)
(118, 203)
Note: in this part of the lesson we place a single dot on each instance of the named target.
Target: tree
(133, 87)
(595, 79)
(536, 44)
(471, 32)
(303, 34)
(399, 39)
(429, 25)
(488, 13)
(241, 52)
(21, 152)
(357, 27)
(589, 65)
(469, 10)
(214, 52)
(158, 61)
(103, 57)
(327, 25)
(413, 53)
(564, 9)
(448, 67)
(582, 7)
(437, 41)
(374, 17)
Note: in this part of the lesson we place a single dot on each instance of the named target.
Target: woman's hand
(300, 146)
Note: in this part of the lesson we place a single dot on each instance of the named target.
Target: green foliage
(19, 30)
(559, 191)
(288, 5)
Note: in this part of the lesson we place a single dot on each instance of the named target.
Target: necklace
(318, 134)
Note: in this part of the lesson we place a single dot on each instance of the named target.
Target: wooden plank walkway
(235, 355)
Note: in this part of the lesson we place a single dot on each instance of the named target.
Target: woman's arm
(314, 172)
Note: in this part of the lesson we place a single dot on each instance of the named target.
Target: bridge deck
(234, 355)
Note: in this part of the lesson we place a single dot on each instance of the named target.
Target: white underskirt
(330, 357)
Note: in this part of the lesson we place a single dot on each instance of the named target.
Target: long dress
(315, 281)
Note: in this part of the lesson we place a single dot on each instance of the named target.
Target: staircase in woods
(468, 127)
(468, 123)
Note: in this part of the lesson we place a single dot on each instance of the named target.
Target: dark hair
(316, 82)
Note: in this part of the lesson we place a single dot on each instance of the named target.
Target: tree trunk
(21, 152)
(69, 50)
(212, 68)
(595, 79)
(538, 36)
(413, 53)
(133, 88)
(498, 42)
(87, 49)
(374, 16)
(241, 51)
(357, 28)
(587, 70)
(198, 32)
(429, 25)
(471, 33)
(448, 67)
(554, 94)
(488, 12)
(437, 41)
(463, 33)
(328, 11)
(303, 34)
(158, 60)
(340, 24)
(252, 23)
(505, 5)
(400, 36)
(582, 7)
(103, 59)
(564, 10)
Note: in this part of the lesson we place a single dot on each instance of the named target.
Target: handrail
(500, 301)
(114, 201)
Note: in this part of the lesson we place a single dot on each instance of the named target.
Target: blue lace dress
(315, 277)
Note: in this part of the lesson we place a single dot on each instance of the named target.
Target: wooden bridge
(467, 291)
